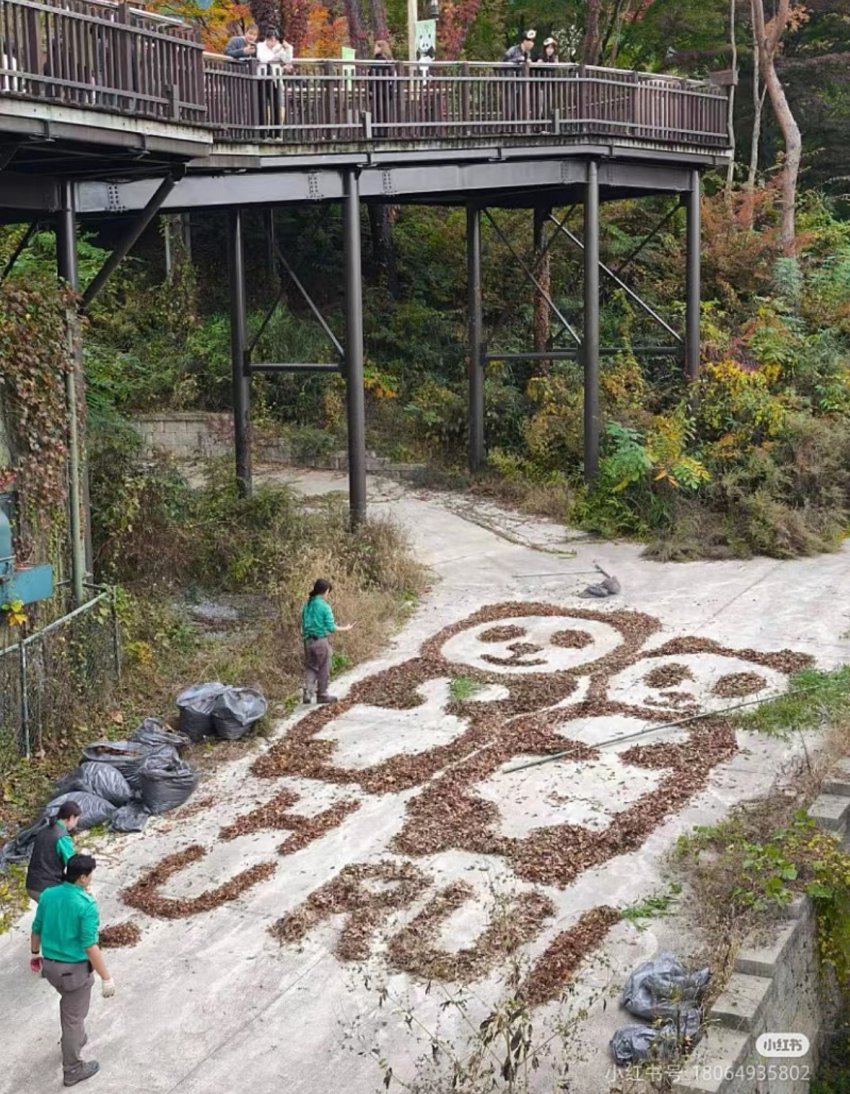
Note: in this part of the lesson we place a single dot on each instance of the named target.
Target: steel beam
(590, 343)
(354, 392)
(574, 354)
(66, 263)
(630, 293)
(238, 356)
(476, 337)
(560, 169)
(287, 366)
(18, 251)
(692, 274)
(126, 245)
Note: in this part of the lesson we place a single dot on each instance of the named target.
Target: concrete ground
(211, 1004)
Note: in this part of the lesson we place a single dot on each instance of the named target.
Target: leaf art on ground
(513, 712)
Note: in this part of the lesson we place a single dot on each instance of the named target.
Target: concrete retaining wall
(187, 435)
(776, 987)
(200, 435)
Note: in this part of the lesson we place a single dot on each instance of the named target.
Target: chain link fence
(49, 678)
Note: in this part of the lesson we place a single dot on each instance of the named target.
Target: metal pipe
(287, 366)
(354, 391)
(66, 262)
(692, 288)
(590, 343)
(18, 251)
(630, 292)
(116, 633)
(126, 245)
(81, 610)
(238, 356)
(662, 727)
(523, 265)
(25, 703)
(476, 329)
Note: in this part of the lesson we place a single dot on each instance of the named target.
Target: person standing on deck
(521, 52)
(317, 622)
(52, 849)
(64, 949)
(243, 47)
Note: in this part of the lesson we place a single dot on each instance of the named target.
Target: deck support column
(476, 325)
(238, 355)
(590, 341)
(66, 264)
(692, 286)
(354, 392)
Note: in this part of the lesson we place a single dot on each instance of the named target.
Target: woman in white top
(273, 51)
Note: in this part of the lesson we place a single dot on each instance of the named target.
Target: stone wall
(200, 435)
(776, 987)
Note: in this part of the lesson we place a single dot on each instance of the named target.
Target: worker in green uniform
(317, 622)
(51, 850)
(65, 932)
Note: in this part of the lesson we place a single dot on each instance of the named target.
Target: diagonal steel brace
(632, 295)
(528, 273)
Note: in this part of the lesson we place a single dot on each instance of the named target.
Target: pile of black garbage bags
(123, 783)
(666, 995)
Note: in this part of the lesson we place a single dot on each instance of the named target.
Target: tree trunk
(758, 103)
(543, 272)
(769, 37)
(383, 244)
(356, 31)
(590, 42)
(730, 170)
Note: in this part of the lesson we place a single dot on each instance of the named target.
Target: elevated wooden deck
(93, 89)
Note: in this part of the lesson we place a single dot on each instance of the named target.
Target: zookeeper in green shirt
(65, 931)
(317, 622)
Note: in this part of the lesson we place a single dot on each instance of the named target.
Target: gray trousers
(317, 665)
(74, 984)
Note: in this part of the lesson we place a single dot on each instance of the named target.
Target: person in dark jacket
(383, 74)
(243, 47)
(521, 52)
(52, 848)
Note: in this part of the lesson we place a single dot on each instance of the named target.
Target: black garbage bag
(662, 988)
(236, 710)
(131, 817)
(94, 810)
(126, 756)
(19, 848)
(107, 782)
(196, 706)
(166, 782)
(637, 1044)
(154, 732)
(96, 778)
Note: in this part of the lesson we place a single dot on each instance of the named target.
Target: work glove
(35, 965)
(107, 988)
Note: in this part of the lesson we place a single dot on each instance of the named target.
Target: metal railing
(103, 56)
(49, 678)
(113, 57)
(341, 101)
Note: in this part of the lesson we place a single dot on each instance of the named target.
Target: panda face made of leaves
(537, 679)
